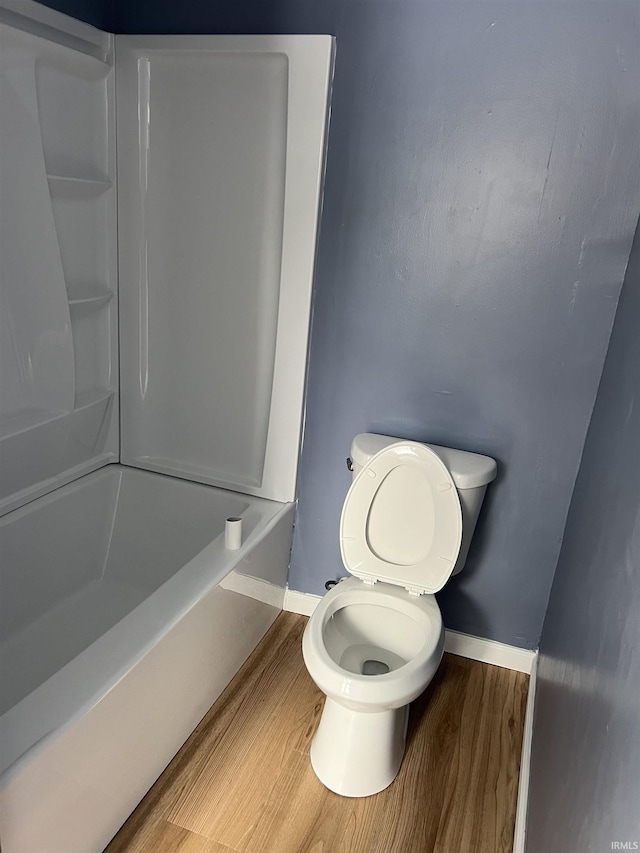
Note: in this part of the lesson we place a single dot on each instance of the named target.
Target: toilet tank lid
(468, 470)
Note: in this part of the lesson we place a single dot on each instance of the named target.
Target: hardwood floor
(243, 781)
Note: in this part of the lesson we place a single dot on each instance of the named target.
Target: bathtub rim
(58, 703)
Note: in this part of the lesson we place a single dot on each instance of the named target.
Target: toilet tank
(471, 472)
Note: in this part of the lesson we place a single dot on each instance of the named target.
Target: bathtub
(123, 618)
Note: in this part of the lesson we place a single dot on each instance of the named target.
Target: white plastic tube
(233, 533)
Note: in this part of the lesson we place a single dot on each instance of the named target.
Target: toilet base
(356, 754)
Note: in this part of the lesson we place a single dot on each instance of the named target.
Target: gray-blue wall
(482, 189)
(481, 195)
(585, 780)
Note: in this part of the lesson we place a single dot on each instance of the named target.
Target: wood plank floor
(243, 781)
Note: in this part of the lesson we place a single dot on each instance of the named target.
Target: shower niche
(155, 282)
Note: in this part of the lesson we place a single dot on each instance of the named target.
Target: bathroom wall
(483, 183)
(482, 191)
(585, 788)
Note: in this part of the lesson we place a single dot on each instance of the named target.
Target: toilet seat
(401, 521)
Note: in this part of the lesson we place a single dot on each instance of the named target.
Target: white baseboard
(464, 645)
(525, 765)
(489, 651)
(303, 603)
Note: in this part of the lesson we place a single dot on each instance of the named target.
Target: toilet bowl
(376, 639)
(356, 629)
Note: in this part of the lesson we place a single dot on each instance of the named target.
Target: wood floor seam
(195, 836)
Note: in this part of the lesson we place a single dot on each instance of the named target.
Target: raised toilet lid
(401, 520)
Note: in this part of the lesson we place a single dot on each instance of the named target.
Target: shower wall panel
(201, 319)
(220, 166)
(220, 157)
(58, 313)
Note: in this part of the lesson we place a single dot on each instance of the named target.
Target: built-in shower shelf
(71, 186)
(85, 399)
(59, 446)
(36, 418)
(89, 297)
(27, 420)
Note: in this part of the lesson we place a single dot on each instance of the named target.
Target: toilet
(376, 639)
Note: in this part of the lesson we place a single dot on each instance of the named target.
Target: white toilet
(376, 639)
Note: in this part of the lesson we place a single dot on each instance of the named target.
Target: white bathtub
(123, 618)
